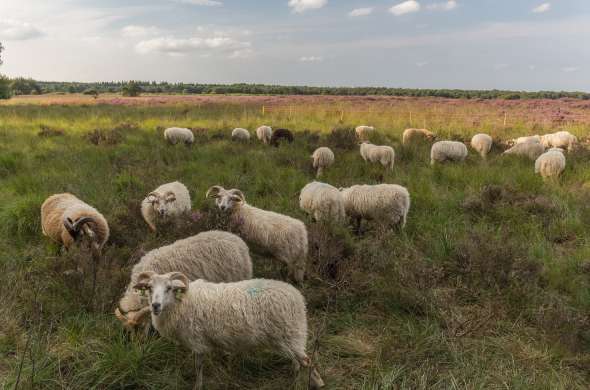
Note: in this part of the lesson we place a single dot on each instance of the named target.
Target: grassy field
(487, 287)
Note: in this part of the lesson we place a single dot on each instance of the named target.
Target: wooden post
(342, 115)
(262, 110)
(505, 117)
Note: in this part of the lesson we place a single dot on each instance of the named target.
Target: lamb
(378, 154)
(531, 150)
(411, 136)
(551, 163)
(482, 143)
(175, 135)
(322, 201)
(561, 139)
(167, 202)
(240, 134)
(284, 237)
(66, 219)
(442, 151)
(244, 315)
(364, 132)
(322, 158)
(389, 203)
(214, 256)
(264, 134)
(279, 134)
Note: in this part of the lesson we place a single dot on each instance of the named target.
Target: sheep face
(226, 200)
(162, 204)
(164, 291)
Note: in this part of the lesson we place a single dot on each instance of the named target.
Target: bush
(4, 87)
(131, 89)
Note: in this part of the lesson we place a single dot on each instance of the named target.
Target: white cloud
(17, 31)
(241, 53)
(179, 46)
(361, 12)
(311, 59)
(421, 64)
(300, 6)
(446, 6)
(133, 31)
(209, 3)
(532, 67)
(570, 69)
(501, 66)
(542, 8)
(405, 8)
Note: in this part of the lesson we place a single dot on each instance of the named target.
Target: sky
(467, 44)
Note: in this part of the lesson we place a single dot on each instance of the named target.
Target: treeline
(28, 86)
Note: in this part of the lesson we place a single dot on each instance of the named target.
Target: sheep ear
(213, 192)
(170, 196)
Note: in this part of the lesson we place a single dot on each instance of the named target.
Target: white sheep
(264, 134)
(529, 138)
(551, 163)
(322, 158)
(284, 237)
(482, 143)
(165, 203)
(378, 154)
(214, 256)
(239, 134)
(531, 150)
(364, 132)
(66, 219)
(246, 315)
(388, 203)
(562, 139)
(442, 151)
(417, 135)
(175, 135)
(322, 201)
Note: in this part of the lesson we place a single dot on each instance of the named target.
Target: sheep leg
(199, 371)
(315, 380)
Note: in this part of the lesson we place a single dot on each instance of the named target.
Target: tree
(1, 48)
(22, 86)
(4, 81)
(131, 89)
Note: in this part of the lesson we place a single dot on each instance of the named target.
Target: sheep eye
(168, 289)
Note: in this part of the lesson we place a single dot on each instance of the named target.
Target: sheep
(378, 154)
(66, 219)
(246, 315)
(215, 256)
(322, 158)
(442, 151)
(482, 143)
(169, 201)
(279, 134)
(389, 203)
(417, 135)
(241, 135)
(284, 237)
(175, 135)
(322, 201)
(264, 134)
(551, 163)
(561, 139)
(526, 139)
(531, 150)
(364, 132)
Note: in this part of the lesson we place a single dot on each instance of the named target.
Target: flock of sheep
(200, 291)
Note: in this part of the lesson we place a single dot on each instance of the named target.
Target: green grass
(487, 287)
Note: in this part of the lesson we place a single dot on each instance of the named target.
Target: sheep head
(164, 290)
(161, 202)
(79, 227)
(226, 200)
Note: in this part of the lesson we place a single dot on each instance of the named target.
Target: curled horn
(155, 195)
(143, 279)
(238, 193)
(182, 278)
(170, 196)
(74, 228)
(213, 191)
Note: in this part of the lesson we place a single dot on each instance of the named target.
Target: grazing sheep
(411, 136)
(175, 135)
(482, 143)
(322, 201)
(169, 201)
(284, 237)
(442, 151)
(531, 150)
(322, 158)
(378, 154)
(66, 219)
(524, 140)
(214, 256)
(279, 134)
(363, 133)
(562, 139)
(244, 315)
(551, 163)
(388, 203)
(264, 134)
(240, 134)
